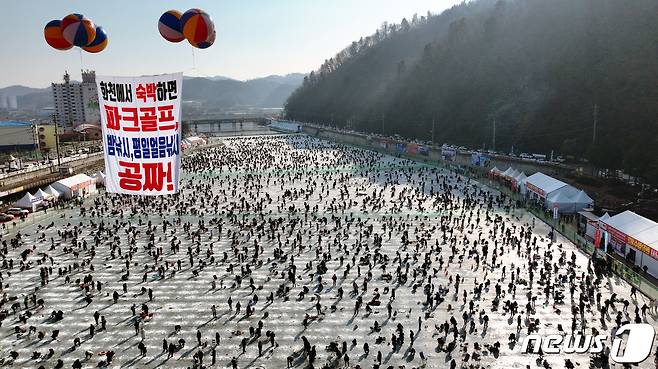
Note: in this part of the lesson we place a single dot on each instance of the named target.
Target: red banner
(535, 189)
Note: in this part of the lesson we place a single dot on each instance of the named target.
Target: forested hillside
(547, 72)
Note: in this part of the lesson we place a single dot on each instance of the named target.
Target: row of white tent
(553, 192)
(30, 201)
(515, 176)
(56, 190)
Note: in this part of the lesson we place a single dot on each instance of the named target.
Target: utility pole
(596, 117)
(57, 141)
(494, 135)
(432, 131)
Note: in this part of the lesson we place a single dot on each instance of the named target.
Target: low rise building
(46, 138)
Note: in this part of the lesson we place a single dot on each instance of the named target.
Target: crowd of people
(290, 251)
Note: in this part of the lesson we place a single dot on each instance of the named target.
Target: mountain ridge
(576, 77)
(216, 92)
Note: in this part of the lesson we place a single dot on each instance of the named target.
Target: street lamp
(59, 163)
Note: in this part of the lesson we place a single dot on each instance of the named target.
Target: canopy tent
(629, 223)
(495, 171)
(543, 185)
(52, 192)
(522, 186)
(99, 177)
(28, 201)
(520, 177)
(634, 237)
(560, 200)
(78, 185)
(648, 237)
(589, 222)
(582, 200)
(507, 172)
(555, 193)
(518, 181)
(42, 194)
(565, 200)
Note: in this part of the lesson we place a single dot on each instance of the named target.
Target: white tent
(28, 201)
(99, 177)
(582, 200)
(520, 177)
(78, 185)
(518, 180)
(563, 198)
(495, 171)
(42, 194)
(543, 185)
(562, 201)
(523, 181)
(52, 192)
(507, 172)
(629, 223)
(590, 221)
(643, 248)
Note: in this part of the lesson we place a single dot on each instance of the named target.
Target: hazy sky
(254, 37)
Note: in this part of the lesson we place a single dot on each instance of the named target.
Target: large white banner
(140, 118)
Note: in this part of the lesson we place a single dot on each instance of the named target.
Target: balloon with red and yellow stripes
(198, 27)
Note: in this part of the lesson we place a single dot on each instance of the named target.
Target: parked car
(17, 212)
(5, 218)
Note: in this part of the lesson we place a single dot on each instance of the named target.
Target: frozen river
(282, 216)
